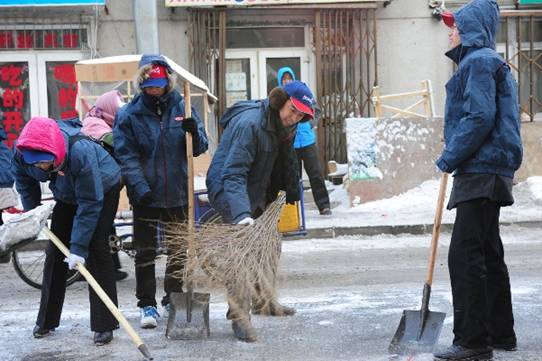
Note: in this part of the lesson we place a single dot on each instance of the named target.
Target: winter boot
(39, 332)
(103, 338)
(243, 330)
(460, 353)
(507, 344)
(272, 308)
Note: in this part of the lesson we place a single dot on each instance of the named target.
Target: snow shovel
(189, 313)
(419, 330)
(27, 226)
(103, 296)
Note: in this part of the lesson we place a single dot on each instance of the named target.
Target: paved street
(349, 293)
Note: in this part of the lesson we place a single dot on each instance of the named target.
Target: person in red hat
(483, 150)
(254, 160)
(149, 137)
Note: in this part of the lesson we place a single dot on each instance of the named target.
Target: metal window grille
(345, 46)
(520, 42)
(344, 42)
(43, 39)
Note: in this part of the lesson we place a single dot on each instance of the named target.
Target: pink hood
(106, 107)
(43, 134)
(95, 127)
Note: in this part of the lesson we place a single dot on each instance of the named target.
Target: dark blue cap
(35, 156)
(301, 96)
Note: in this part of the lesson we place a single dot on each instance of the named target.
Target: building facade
(340, 48)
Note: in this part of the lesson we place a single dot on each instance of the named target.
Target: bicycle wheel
(28, 262)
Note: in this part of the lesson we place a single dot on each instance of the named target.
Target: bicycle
(28, 257)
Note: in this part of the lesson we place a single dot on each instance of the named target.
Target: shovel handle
(436, 228)
(189, 158)
(100, 292)
(190, 166)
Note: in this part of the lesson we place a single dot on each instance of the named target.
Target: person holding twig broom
(85, 181)
(255, 159)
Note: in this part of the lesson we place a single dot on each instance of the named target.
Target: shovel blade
(189, 316)
(407, 338)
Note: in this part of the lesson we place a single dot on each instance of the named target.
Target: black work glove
(146, 199)
(292, 195)
(190, 125)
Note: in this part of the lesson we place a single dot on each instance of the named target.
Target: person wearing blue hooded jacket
(307, 151)
(483, 149)
(254, 159)
(149, 136)
(85, 182)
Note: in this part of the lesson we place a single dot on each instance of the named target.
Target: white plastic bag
(24, 226)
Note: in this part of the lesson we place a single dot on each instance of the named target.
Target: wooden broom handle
(436, 228)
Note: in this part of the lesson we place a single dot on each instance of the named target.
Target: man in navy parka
(149, 136)
(483, 149)
(256, 135)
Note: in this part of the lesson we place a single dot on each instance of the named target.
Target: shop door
(36, 84)
(270, 61)
(251, 74)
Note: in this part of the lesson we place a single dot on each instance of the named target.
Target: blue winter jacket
(240, 171)
(151, 149)
(6, 178)
(482, 125)
(305, 133)
(86, 175)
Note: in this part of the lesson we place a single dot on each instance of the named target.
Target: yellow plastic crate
(289, 219)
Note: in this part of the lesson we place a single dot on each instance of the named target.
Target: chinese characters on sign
(61, 90)
(14, 98)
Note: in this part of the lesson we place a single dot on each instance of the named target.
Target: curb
(334, 232)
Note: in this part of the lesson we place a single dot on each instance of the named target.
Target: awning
(245, 3)
(21, 3)
(125, 67)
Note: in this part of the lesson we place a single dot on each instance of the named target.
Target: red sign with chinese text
(14, 98)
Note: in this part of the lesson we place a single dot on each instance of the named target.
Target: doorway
(252, 73)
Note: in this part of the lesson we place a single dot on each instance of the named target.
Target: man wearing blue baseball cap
(254, 160)
(149, 137)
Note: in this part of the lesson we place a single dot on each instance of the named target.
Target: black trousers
(479, 276)
(311, 162)
(99, 263)
(147, 224)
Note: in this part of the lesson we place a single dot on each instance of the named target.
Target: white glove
(73, 259)
(247, 221)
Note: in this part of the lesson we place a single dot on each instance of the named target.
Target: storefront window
(274, 64)
(61, 89)
(237, 81)
(286, 37)
(15, 98)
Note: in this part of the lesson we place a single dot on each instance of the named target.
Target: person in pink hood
(99, 121)
(98, 124)
(85, 182)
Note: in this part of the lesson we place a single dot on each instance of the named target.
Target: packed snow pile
(417, 206)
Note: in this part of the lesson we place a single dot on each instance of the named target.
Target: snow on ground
(349, 298)
(417, 206)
